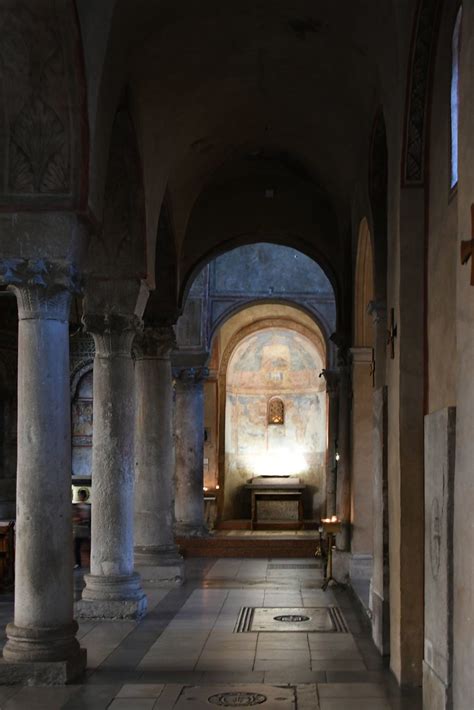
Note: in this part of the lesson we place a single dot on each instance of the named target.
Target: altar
(276, 501)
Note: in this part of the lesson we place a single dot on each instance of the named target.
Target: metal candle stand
(331, 528)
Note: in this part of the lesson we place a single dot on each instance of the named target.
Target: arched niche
(270, 361)
(81, 424)
(364, 288)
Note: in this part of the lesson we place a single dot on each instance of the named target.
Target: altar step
(245, 524)
(254, 544)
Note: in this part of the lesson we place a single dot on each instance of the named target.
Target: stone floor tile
(292, 676)
(40, 698)
(169, 696)
(355, 704)
(141, 690)
(352, 690)
(132, 704)
(334, 664)
(307, 697)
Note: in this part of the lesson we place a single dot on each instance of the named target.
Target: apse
(275, 418)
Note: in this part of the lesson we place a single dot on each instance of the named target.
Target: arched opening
(363, 363)
(275, 425)
(364, 289)
(455, 55)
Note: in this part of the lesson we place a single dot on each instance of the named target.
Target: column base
(112, 597)
(42, 656)
(161, 566)
(45, 672)
(187, 530)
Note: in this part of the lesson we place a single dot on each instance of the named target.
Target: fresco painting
(284, 363)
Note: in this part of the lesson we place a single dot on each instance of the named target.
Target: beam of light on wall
(281, 463)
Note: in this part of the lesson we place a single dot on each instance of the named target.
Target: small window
(276, 411)
(456, 49)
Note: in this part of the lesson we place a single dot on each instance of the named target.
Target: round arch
(363, 288)
(314, 336)
(293, 242)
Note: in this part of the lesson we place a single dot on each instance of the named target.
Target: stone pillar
(189, 431)
(440, 455)
(362, 465)
(332, 389)
(43, 631)
(378, 311)
(380, 599)
(113, 590)
(343, 465)
(156, 554)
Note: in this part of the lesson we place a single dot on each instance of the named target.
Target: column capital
(113, 332)
(185, 377)
(332, 381)
(155, 342)
(43, 288)
(378, 311)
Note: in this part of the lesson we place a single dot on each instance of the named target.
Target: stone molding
(43, 288)
(155, 342)
(113, 333)
(361, 355)
(188, 377)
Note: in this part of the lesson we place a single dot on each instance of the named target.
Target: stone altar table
(276, 500)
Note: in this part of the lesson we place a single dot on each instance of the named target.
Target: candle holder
(331, 526)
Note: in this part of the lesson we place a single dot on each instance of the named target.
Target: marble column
(343, 497)
(43, 631)
(189, 433)
(113, 589)
(332, 389)
(156, 555)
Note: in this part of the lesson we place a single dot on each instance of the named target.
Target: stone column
(43, 630)
(189, 432)
(343, 465)
(156, 554)
(332, 389)
(113, 590)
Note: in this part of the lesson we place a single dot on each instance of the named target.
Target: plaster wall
(283, 363)
(442, 253)
(463, 629)
(362, 453)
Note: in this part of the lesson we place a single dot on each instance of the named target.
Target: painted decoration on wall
(274, 373)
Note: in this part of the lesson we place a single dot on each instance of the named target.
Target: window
(456, 47)
(276, 411)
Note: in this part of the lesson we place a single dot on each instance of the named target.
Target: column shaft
(43, 629)
(189, 428)
(156, 553)
(113, 589)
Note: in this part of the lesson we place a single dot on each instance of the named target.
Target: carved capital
(332, 381)
(43, 288)
(154, 342)
(113, 333)
(187, 377)
(378, 311)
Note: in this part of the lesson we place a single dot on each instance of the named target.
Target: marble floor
(186, 653)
